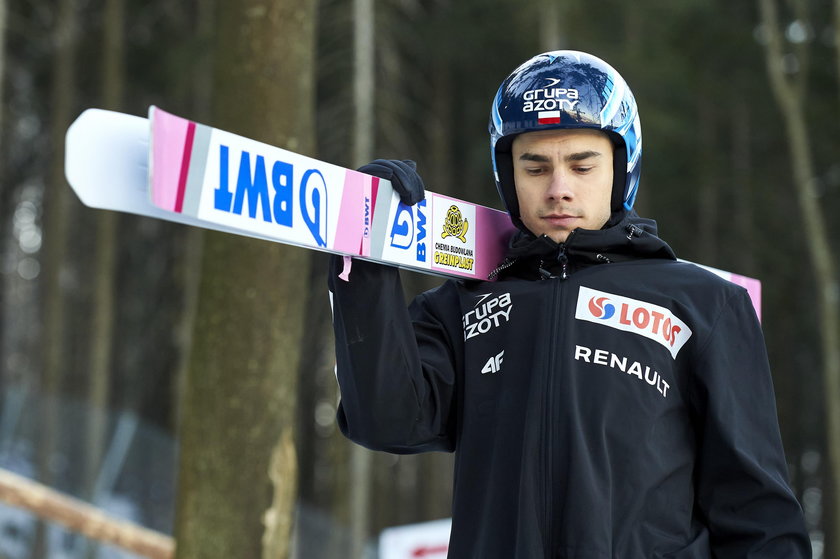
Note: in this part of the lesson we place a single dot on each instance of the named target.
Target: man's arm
(396, 370)
(742, 480)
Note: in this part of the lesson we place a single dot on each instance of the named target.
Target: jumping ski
(171, 168)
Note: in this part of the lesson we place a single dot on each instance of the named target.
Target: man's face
(563, 180)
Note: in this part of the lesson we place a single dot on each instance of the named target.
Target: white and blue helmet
(566, 89)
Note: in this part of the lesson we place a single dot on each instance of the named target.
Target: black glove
(403, 176)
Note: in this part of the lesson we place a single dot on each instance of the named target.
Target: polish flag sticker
(548, 117)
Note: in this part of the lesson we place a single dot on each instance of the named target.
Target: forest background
(183, 379)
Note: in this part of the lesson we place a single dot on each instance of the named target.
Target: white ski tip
(107, 158)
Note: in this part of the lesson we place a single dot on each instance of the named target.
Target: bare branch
(792, 101)
(773, 51)
(837, 43)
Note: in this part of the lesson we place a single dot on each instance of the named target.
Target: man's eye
(534, 171)
(583, 169)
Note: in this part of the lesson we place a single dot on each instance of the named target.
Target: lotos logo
(601, 310)
(631, 315)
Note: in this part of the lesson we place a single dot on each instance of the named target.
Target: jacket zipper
(559, 310)
(547, 447)
(550, 419)
(563, 258)
(502, 267)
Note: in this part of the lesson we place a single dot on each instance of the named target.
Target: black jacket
(604, 401)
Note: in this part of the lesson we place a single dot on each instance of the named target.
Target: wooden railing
(78, 516)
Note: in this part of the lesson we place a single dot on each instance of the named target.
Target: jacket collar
(631, 238)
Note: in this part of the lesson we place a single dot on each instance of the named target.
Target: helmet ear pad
(507, 183)
(619, 173)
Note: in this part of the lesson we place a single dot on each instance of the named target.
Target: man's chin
(557, 236)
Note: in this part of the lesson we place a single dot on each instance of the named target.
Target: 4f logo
(494, 364)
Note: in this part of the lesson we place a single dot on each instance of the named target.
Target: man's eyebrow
(579, 156)
(534, 157)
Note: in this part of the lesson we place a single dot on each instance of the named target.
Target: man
(602, 398)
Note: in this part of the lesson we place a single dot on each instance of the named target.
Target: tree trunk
(101, 338)
(551, 36)
(741, 166)
(5, 194)
(189, 265)
(791, 103)
(3, 23)
(708, 207)
(363, 81)
(57, 207)
(237, 464)
(837, 44)
(361, 459)
(438, 175)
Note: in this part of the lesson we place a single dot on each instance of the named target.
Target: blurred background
(183, 380)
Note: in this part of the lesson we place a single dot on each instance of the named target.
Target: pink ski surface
(351, 231)
(167, 159)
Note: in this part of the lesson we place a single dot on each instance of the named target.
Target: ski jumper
(603, 400)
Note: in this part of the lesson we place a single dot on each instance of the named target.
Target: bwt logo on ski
(631, 315)
(367, 217)
(406, 226)
(487, 314)
(277, 203)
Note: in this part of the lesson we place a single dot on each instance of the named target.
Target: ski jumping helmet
(561, 90)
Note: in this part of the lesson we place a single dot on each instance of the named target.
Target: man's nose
(559, 187)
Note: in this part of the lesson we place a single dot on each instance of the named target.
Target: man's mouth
(560, 219)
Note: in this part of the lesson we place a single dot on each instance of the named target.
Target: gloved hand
(403, 176)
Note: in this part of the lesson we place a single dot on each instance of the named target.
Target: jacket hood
(631, 238)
